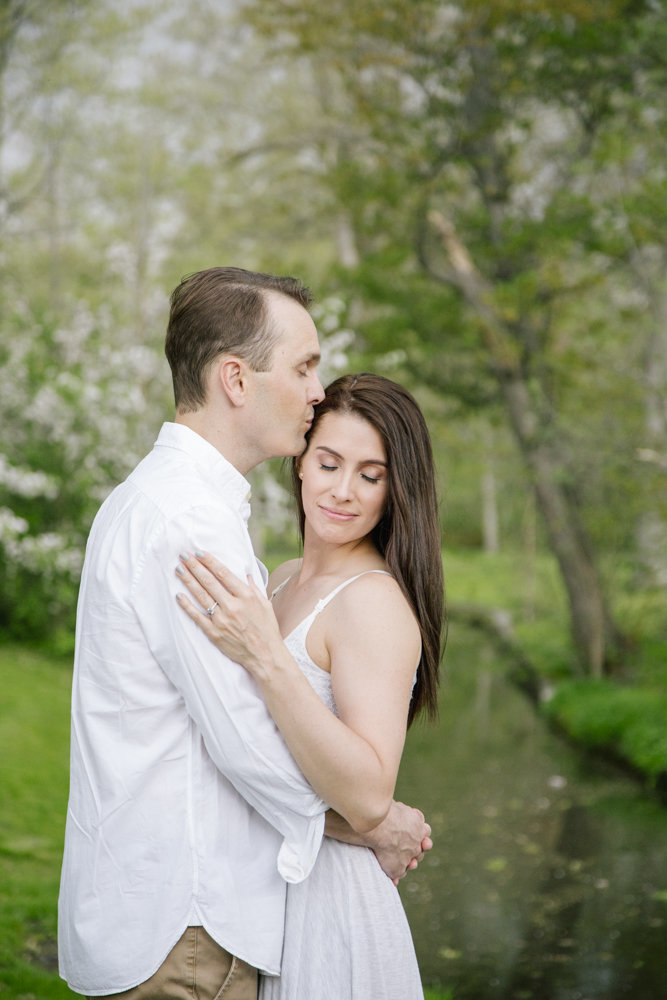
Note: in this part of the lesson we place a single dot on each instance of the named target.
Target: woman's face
(343, 478)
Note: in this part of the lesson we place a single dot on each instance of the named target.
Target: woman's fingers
(237, 617)
(202, 585)
(208, 579)
(200, 618)
(224, 575)
(219, 582)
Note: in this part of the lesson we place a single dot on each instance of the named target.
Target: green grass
(34, 747)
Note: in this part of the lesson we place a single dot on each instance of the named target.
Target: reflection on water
(548, 878)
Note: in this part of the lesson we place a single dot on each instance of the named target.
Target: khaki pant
(197, 968)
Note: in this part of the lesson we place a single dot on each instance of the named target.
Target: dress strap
(323, 601)
(280, 586)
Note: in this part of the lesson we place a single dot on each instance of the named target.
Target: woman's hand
(239, 618)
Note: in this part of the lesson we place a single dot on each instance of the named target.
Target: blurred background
(476, 192)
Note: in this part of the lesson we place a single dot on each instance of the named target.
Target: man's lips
(337, 515)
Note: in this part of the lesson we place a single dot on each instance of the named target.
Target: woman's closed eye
(364, 475)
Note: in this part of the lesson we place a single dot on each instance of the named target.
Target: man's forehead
(295, 335)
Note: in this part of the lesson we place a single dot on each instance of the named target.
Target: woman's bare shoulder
(380, 625)
(377, 597)
(282, 573)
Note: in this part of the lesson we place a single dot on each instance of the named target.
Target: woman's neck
(325, 560)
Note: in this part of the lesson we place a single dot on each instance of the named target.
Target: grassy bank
(34, 747)
(624, 717)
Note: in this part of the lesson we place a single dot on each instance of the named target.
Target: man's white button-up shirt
(186, 806)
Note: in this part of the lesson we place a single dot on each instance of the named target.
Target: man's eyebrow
(367, 461)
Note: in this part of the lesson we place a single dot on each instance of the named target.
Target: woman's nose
(342, 488)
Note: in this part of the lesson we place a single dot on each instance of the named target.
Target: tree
(112, 186)
(474, 189)
(79, 383)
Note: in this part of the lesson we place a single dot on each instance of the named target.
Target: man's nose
(316, 391)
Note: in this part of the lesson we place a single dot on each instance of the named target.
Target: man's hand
(400, 841)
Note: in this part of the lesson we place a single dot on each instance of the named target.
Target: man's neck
(218, 434)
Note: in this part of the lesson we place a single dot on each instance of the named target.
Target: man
(187, 813)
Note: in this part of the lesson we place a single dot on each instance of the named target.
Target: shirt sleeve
(221, 698)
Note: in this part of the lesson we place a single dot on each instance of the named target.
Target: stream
(548, 878)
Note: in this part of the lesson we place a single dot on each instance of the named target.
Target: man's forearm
(399, 842)
(339, 829)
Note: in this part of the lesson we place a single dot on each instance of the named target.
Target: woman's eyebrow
(367, 461)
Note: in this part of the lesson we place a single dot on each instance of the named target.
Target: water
(548, 879)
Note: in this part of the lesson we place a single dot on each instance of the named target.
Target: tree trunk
(490, 529)
(652, 527)
(596, 640)
(595, 636)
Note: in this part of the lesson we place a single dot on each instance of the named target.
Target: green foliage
(626, 721)
(535, 127)
(82, 404)
(528, 587)
(518, 126)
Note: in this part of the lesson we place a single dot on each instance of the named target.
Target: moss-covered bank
(522, 605)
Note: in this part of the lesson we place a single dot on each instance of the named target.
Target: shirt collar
(215, 467)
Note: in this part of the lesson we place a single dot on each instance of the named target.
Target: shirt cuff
(296, 859)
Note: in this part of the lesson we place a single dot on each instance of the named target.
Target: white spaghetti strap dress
(346, 933)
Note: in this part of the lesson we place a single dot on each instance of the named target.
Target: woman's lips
(338, 515)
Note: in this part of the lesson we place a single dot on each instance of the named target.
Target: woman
(346, 654)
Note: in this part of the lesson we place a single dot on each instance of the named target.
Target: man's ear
(232, 376)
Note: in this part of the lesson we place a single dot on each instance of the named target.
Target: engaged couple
(231, 829)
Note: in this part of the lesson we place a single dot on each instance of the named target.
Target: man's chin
(293, 452)
(300, 447)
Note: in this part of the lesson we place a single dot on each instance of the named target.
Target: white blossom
(26, 483)
(11, 526)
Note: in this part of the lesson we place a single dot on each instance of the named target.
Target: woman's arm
(373, 643)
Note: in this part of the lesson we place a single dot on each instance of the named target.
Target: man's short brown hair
(222, 310)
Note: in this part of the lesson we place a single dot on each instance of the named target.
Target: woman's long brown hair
(408, 534)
